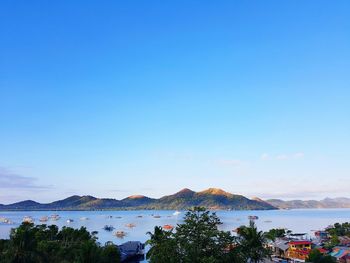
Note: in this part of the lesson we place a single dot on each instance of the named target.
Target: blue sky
(148, 97)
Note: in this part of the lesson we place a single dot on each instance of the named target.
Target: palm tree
(253, 243)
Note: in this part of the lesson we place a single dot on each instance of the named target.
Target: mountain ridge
(212, 198)
(338, 202)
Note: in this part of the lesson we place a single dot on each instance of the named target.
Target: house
(132, 250)
(280, 247)
(321, 235)
(299, 249)
(341, 254)
(344, 241)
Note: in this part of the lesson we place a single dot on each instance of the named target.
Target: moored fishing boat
(55, 217)
(28, 219)
(108, 228)
(44, 219)
(168, 227)
(120, 234)
(176, 213)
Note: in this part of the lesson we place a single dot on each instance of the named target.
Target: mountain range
(211, 198)
(340, 202)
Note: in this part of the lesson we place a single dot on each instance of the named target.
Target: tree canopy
(199, 240)
(41, 244)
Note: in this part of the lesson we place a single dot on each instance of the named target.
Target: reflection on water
(135, 224)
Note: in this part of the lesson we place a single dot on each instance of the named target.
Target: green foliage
(274, 233)
(252, 243)
(42, 244)
(340, 229)
(199, 240)
(316, 256)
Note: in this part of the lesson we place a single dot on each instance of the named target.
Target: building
(299, 249)
(342, 254)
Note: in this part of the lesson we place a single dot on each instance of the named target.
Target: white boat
(4, 220)
(28, 219)
(84, 218)
(55, 217)
(44, 219)
(176, 213)
(70, 221)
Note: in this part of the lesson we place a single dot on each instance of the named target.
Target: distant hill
(211, 198)
(340, 202)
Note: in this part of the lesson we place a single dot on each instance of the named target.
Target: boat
(120, 234)
(267, 221)
(4, 220)
(118, 217)
(130, 225)
(168, 227)
(139, 216)
(70, 221)
(176, 213)
(44, 219)
(84, 218)
(108, 228)
(55, 217)
(253, 217)
(156, 216)
(28, 219)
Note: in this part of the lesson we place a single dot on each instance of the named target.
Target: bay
(297, 220)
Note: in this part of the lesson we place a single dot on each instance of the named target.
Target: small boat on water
(28, 219)
(267, 221)
(4, 220)
(70, 221)
(118, 217)
(55, 217)
(176, 213)
(108, 228)
(156, 216)
(252, 218)
(44, 219)
(130, 225)
(120, 234)
(139, 216)
(84, 218)
(168, 227)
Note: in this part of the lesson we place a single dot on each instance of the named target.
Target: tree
(42, 244)
(274, 233)
(252, 243)
(316, 256)
(197, 240)
(163, 246)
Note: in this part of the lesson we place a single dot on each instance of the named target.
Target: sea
(298, 220)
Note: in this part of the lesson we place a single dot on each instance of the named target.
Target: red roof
(323, 251)
(301, 242)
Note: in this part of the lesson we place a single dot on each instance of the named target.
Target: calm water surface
(297, 220)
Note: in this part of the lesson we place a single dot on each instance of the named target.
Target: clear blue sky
(115, 98)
